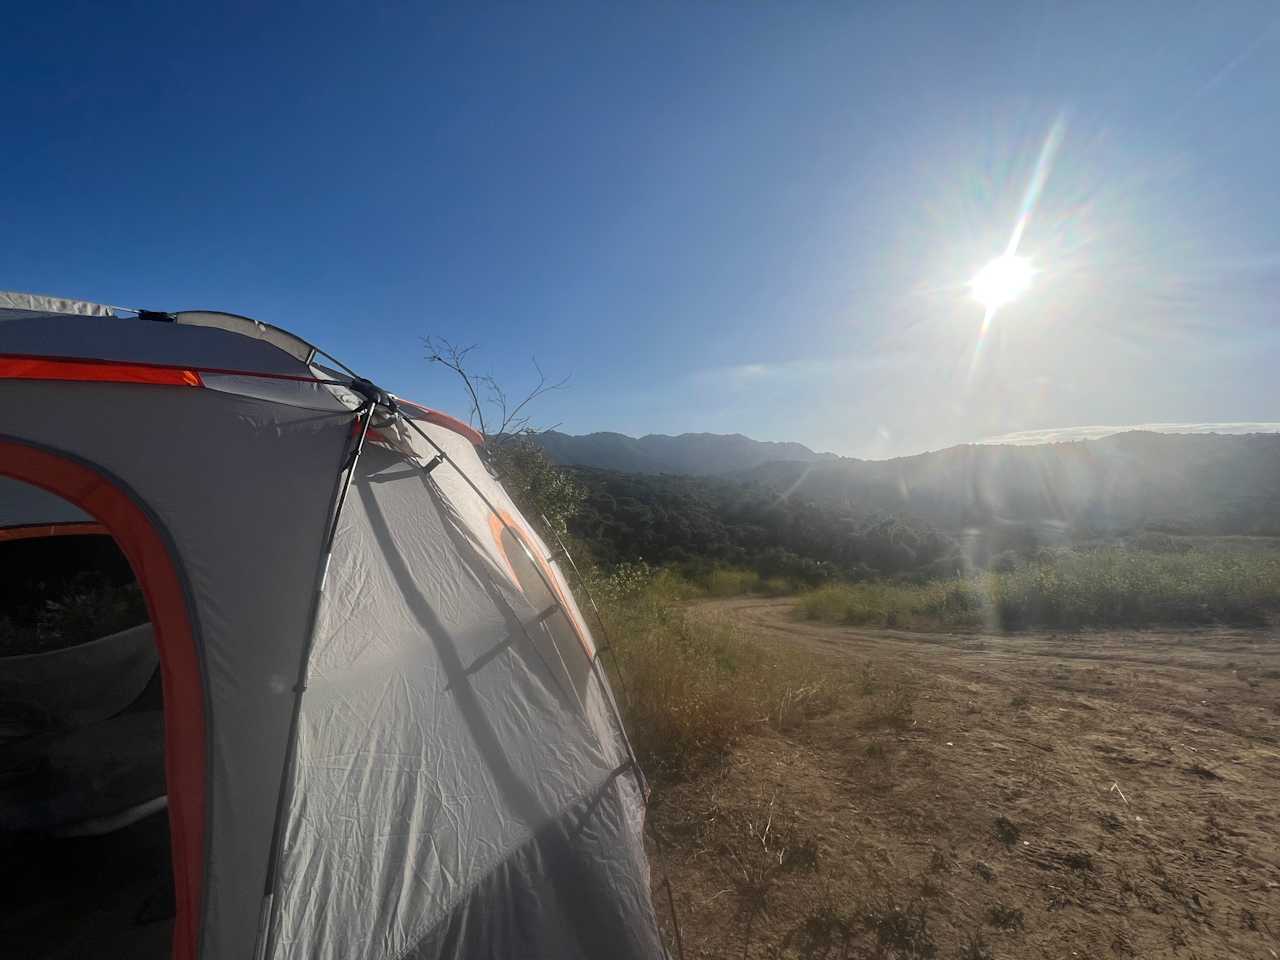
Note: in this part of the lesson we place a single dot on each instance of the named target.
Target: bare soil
(1097, 794)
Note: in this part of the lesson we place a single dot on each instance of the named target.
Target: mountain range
(695, 454)
(1203, 483)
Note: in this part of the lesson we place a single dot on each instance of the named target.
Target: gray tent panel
(243, 488)
(577, 888)
(131, 340)
(36, 304)
(22, 504)
(296, 347)
(83, 684)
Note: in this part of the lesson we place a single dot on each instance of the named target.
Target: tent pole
(267, 920)
(604, 629)
(641, 782)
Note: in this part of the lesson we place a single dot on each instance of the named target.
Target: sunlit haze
(768, 219)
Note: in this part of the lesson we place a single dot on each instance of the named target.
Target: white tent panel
(435, 737)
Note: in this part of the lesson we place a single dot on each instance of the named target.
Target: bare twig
(509, 419)
(449, 355)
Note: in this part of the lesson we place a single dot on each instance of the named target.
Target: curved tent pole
(376, 398)
(342, 366)
(604, 629)
(267, 919)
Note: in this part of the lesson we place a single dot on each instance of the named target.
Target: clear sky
(728, 217)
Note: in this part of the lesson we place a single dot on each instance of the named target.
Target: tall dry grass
(694, 683)
(1112, 586)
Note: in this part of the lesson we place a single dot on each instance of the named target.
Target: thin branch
(447, 354)
(510, 419)
(541, 388)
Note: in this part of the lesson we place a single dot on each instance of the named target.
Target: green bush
(948, 602)
(685, 582)
(729, 582)
(1114, 586)
(1109, 586)
(88, 607)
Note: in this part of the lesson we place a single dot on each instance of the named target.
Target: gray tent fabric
(131, 340)
(98, 772)
(81, 684)
(22, 505)
(296, 347)
(410, 719)
(572, 890)
(243, 487)
(460, 782)
(38, 304)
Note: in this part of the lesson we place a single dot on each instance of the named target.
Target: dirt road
(1083, 795)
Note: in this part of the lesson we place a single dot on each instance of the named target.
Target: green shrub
(688, 581)
(775, 587)
(1114, 586)
(1109, 586)
(939, 602)
(730, 582)
(88, 607)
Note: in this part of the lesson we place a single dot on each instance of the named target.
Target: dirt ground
(1100, 794)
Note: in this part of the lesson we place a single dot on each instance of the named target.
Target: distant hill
(920, 514)
(1181, 483)
(695, 454)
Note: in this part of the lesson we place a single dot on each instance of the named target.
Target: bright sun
(1002, 281)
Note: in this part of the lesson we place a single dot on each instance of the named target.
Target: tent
(388, 733)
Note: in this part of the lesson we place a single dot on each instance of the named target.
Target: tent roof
(133, 340)
(227, 351)
(18, 306)
(35, 304)
(40, 326)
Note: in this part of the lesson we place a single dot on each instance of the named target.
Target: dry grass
(1104, 587)
(904, 823)
(694, 685)
(730, 582)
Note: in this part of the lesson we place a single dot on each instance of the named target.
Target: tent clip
(373, 393)
(547, 614)
(433, 463)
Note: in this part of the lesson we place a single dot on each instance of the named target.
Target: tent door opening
(84, 831)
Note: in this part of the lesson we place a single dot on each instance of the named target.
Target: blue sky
(730, 217)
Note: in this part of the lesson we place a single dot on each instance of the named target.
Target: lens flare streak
(1030, 197)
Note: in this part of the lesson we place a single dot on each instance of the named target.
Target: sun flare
(1002, 281)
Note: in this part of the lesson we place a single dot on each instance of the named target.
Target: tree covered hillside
(669, 519)
(933, 515)
(1208, 484)
(698, 454)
